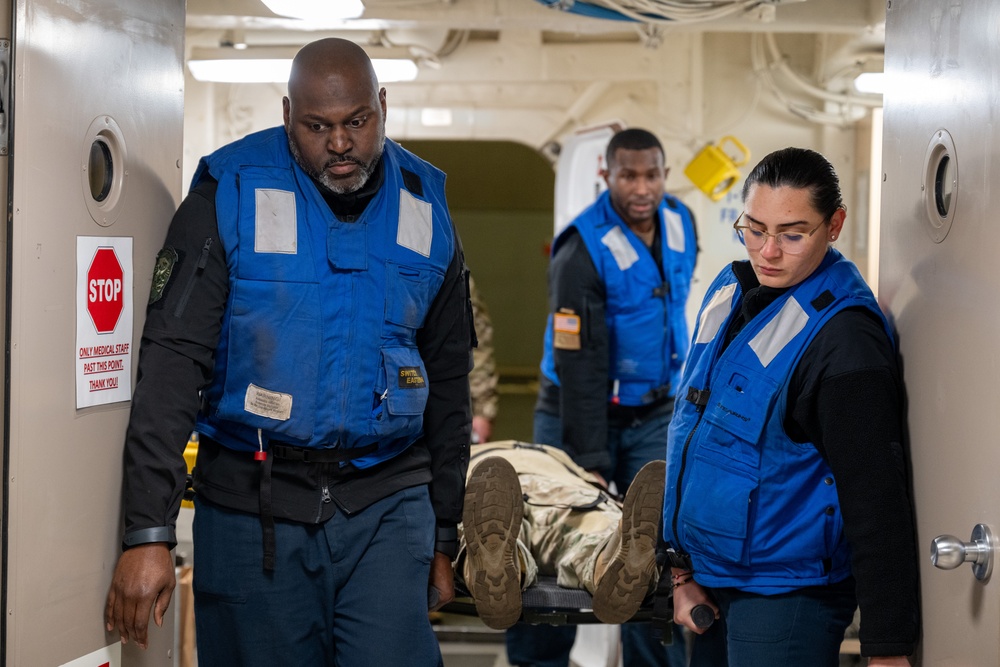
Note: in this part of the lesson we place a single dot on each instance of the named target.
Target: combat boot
(625, 569)
(491, 520)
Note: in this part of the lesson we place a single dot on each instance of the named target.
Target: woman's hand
(687, 596)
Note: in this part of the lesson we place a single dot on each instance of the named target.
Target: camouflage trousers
(568, 518)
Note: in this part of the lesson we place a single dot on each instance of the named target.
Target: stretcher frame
(545, 602)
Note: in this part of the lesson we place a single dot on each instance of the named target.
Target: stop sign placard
(104, 290)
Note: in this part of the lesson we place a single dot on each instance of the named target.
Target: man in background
(483, 377)
(616, 338)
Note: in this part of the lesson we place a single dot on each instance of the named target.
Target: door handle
(949, 552)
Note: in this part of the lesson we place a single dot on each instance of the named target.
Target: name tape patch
(266, 403)
(411, 378)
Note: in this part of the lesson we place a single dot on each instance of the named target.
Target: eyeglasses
(794, 243)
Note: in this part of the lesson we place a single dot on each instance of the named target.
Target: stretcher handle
(703, 616)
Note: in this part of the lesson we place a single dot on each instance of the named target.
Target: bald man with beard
(310, 319)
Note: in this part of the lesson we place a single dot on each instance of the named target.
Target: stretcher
(547, 602)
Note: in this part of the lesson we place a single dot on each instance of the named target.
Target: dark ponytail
(802, 169)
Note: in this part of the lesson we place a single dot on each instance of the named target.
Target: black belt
(657, 395)
(286, 452)
(634, 413)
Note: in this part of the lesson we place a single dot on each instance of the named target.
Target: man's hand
(482, 430)
(144, 580)
(600, 479)
(442, 581)
(687, 597)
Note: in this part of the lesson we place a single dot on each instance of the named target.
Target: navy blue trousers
(804, 627)
(351, 592)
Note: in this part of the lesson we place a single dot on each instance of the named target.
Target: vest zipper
(325, 498)
(680, 474)
(189, 287)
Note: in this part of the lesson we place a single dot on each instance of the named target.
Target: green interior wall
(501, 199)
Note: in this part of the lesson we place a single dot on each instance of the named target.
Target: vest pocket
(408, 294)
(400, 394)
(715, 511)
(274, 352)
(740, 405)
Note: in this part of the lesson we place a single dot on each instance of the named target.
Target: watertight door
(91, 127)
(940, 279)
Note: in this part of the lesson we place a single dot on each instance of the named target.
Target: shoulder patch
(166, 259)
(566, 330)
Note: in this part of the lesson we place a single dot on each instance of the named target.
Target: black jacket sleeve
(176, 357)
(575, 285)
(445, 344)
(851, 407)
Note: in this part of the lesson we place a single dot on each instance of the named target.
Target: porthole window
(940, 187)
(104, 164)
(101, 170)
(943, 185)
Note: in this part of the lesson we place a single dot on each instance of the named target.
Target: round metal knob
(948, 552)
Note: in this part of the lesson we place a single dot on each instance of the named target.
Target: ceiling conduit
(585, 9)
(656, 11)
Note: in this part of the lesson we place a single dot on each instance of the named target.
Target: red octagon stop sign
(104, 290)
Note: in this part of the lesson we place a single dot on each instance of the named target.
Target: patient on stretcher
(530, 511)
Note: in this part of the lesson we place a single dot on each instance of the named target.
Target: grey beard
(340, 187)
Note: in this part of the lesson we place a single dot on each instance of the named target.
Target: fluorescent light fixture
(260, 70)
(870, 82)
(432, 117)
(389, 71)
(317, 10)
(276, 70)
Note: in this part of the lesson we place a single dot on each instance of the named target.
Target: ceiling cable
(852, 108)
(676, 11)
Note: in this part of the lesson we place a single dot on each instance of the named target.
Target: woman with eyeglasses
(787, 503)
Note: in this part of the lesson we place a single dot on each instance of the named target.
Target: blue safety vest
(644, 310)
(755, 510)
(318, 343)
